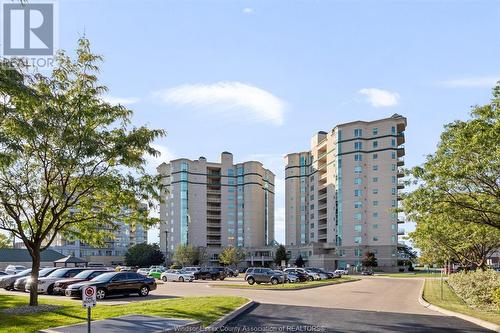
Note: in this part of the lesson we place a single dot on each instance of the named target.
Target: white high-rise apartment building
(342, 194)
(214, 205)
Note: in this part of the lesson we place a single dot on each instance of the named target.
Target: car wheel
(144, 291)
(221, 278)
(164, 278)
(50, 290)
(181, 279)
(100, 293)
(251, 280)
(214, 277)
(311, 278)
(274, 281)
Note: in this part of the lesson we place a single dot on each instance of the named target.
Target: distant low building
(22, 257)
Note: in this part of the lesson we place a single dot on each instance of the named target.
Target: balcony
(213, 208)
(213, 233)
(215, 199)
(401, 185)
(401, 232)
(399, 197)
(213, 224)
(401, 151)
(401, 162)
(322, 217)
(400, 174)
(400, 138)
(322, 206)
(322, 196)
(400, 221)
(213, 216)
(213, 191)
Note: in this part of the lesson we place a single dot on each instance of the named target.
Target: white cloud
(483, 82)
(153, 162)
(248, 10)
(120, 100)
(234, 100)
(380, 98)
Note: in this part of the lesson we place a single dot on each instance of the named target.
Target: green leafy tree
(231, 256)
(5, 241)
(280, 255)
(144, 255)
(462, 179)
(299, 262)
(70, 163)
(441, 239)
(186, 254)
(369, 260)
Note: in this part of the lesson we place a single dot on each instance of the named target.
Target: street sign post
(89, 300)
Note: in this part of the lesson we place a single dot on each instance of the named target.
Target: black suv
(263, 275)
(213, 273)
(114, 283)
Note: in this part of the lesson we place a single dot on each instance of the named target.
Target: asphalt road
(283, 318)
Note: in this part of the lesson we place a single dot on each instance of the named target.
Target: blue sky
(259, 78)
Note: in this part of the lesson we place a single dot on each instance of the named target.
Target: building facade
(214, 205)
(342, 194)
(113, 253)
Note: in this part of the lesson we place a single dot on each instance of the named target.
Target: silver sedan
(176, 275)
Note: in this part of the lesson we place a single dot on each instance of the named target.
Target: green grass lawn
(204, 309)
(286, 286)
(450, 301)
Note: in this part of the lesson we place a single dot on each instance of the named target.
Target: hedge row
(480, 289)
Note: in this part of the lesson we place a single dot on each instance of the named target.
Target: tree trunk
(35, 267)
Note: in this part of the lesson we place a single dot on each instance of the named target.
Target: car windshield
(44, 272)
(26, 271)
(83, 274)
(104, 277)
(58, 273)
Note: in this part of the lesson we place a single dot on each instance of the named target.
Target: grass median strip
(450, 301)
(204, 309)
(286, 286)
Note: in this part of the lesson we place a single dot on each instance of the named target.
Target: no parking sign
(89, 296)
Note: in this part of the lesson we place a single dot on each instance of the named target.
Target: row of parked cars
(188, 274)
(70, 281)
(289, 275)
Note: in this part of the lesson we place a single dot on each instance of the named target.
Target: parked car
(315, 274)
(156, 273)
(115, 283)
(46, 284)
(191, 269)
(292, 277)
(20, 283)
(214, 273)
(329, 275)
(342, 271)
(158, 267)
(7, 281)
(232, 272)
(2, 273)
(311, 276)
(87, 275)
(14, 269)
(176, 275)
(143, 271)
(263, 275)
(367, 272)
(299, 272)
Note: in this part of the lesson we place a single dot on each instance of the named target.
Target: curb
(225, 319)
(477, 321)
(221, 286)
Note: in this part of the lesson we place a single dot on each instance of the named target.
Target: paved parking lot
(370, 305)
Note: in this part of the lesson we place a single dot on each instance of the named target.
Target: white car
(191, 270)
(341, 272)
(292, 278)
(46, 284)
(312, 275)
(14, 269)
(143, 271)
(176, 275)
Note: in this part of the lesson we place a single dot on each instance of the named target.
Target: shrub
(496, 298)
(176, 266)
(477, 289)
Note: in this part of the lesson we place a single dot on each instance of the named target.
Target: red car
(87, 275)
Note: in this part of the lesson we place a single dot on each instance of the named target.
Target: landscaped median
(450, 301)
(204, 309)
(286, 286)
